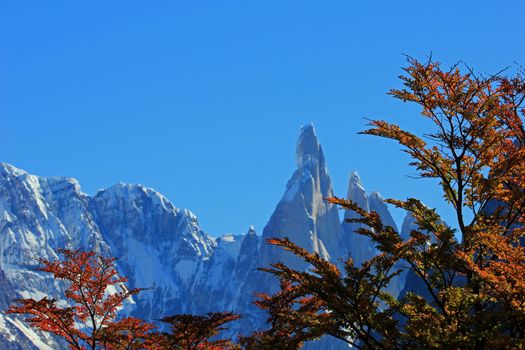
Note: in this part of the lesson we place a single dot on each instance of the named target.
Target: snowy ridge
(158, 245)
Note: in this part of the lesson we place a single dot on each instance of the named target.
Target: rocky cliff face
(360, 247)
(413, 283)
(161, 247)
(302, 214)
(158, 245)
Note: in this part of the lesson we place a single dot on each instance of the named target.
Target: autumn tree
(293, 319)
(196, 332)
(129, 333)
(95, 293)
(473, 273)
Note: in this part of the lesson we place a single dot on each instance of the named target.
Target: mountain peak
(308, 149)
(355, 181)
(10, 169)
(123, 189)
(375, 195)
(129, 192)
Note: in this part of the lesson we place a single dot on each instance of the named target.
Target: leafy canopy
(95, 293)
(473, 287)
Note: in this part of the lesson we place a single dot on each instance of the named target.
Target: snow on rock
(39, 340)
(186, 269)
(158, 245)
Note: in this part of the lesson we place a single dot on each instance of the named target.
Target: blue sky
(203, 100)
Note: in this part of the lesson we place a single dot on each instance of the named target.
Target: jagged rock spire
(308, 150)
(355, 181)
(377, 203)
(357, 194)
(361, 247)
(302, 214)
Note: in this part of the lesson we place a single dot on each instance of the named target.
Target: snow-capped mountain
(158, 245)
(161, 247)
(302, 214)
(37, 217)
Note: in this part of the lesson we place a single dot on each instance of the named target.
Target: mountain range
(163, 248)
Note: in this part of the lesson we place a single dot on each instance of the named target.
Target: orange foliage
(96, 293)
(192, 332)
(474, 286)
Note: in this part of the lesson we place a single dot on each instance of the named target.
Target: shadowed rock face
(361, 247)
(414, 283)
(6, 292)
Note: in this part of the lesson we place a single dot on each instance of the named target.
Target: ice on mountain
(186, 269)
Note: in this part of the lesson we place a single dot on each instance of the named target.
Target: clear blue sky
(203, 100)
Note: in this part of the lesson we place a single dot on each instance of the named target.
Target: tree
(294, 318)
(193, 332)
(129, 333)
(474, 274)
(96, 293)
